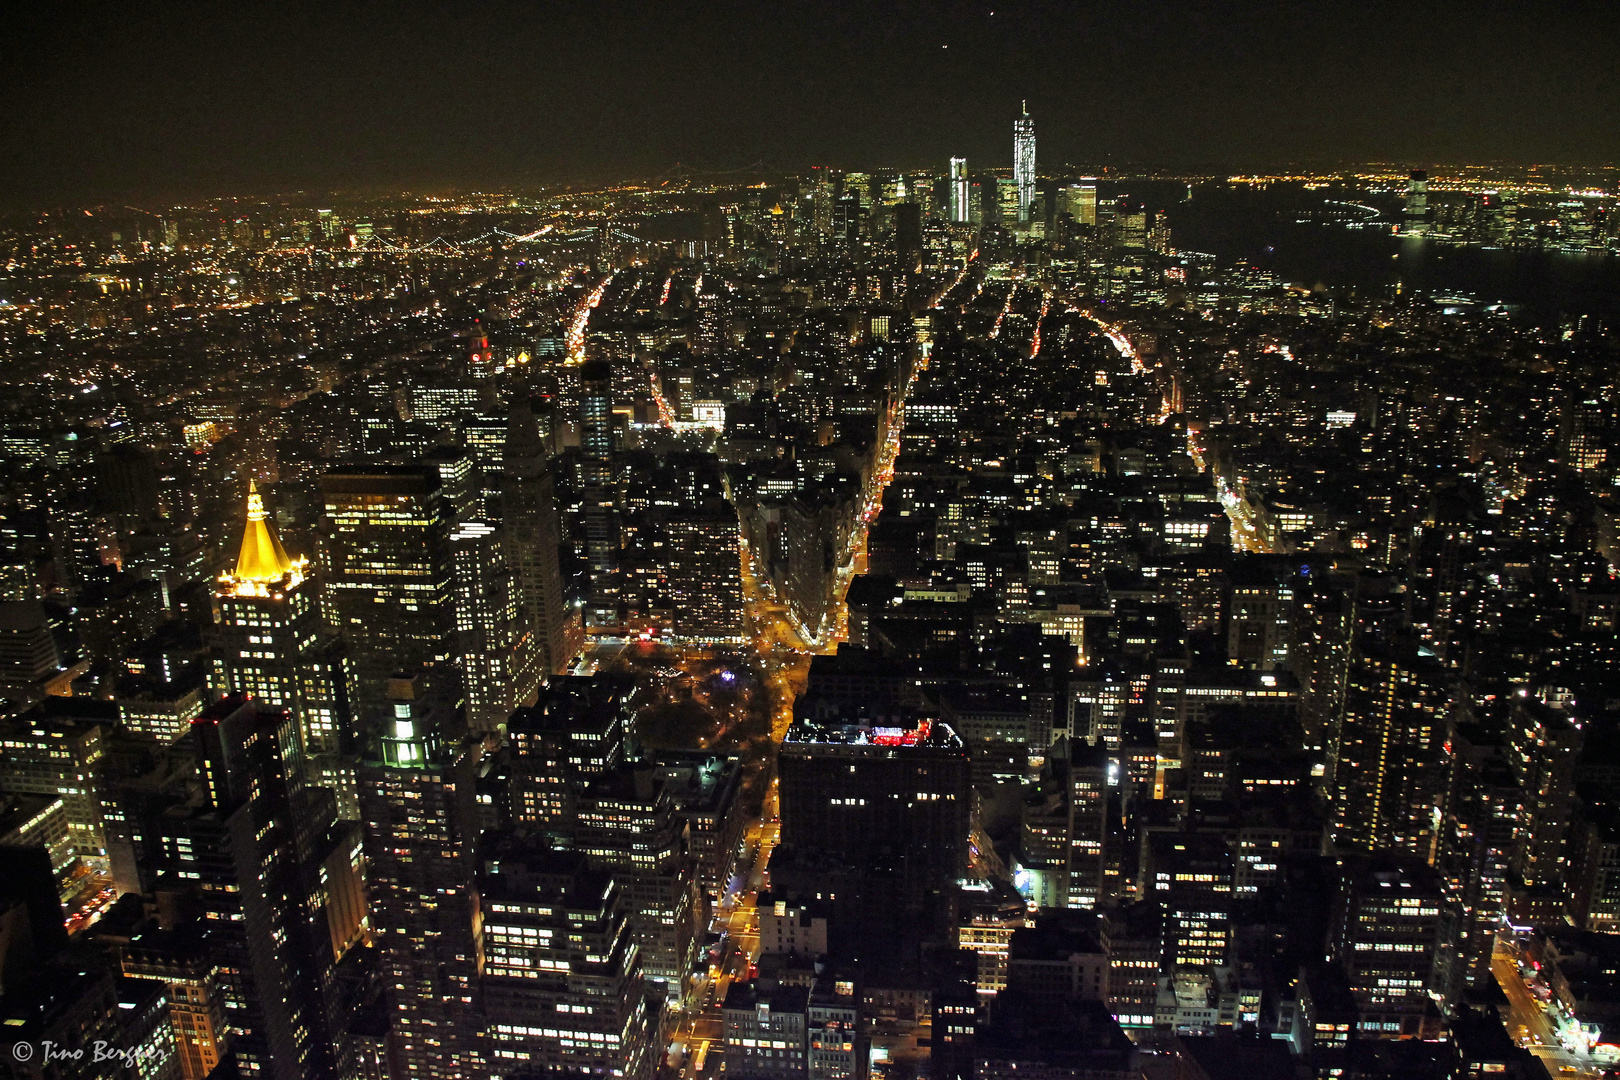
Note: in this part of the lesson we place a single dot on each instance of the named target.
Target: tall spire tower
(959, 192)
(262, 558)
(268, 643)
(1024, 165)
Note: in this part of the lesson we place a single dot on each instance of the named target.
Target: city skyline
(498, 97)
(930, 612)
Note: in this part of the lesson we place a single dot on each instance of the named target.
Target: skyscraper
(385, 555)
(1258, 632)
(1024, 165)
(458, 480)
(816, 212)
(267, 639)
(485, 440)
(59, 756)
(908, 235)
(596, 479)
(1396, 938)
(253, 848)
(959, 192)
(1417, 203)
(531, 533)
(578, 729)
(418, 800)
(1088, 824)
(704, 574)
(1007, 199)
(1080, 201)
(559, 947)
(1389, 772)
(629, 825)
(876, 818)
(196, 998)
(495, 642)
(1545, 743)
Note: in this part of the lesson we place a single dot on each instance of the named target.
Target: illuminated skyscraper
(1417, 203)
(846, 220)
(1396, 938)
(596, 478)
(485, 440)
(482, 361)
(385, 557)
(458, 480)
(1545, 743)
(813, 213)
(1080, 201)
(1130, 224)
(495, 643)
(959, 192)
(1007, 197)
(560, 948)
(596, 410)
(629, 824)
(1065, 827)
(704, 575)
(859, 185)
(196, 994)
(59, 757)
(1024, 165)
(578, 729)
(1088, 824)
(267, 639)
(419, 802)
(1388, 768)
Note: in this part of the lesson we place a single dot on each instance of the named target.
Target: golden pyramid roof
(262, 558)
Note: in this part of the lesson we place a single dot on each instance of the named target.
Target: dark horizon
(106, 104)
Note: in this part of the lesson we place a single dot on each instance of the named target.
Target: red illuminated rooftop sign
(893, 736)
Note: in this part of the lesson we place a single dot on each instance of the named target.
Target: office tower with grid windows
(496, 647)
(385, 559)
(579, 728)
(629, 824)
(596, 480)
(419, 803)
(1396, 935)
(562, 981)
(703, 568)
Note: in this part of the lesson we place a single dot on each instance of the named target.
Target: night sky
(133, 101)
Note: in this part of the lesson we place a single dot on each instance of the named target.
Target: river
(1260, 227)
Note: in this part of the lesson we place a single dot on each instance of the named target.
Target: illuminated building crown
(262, 558)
